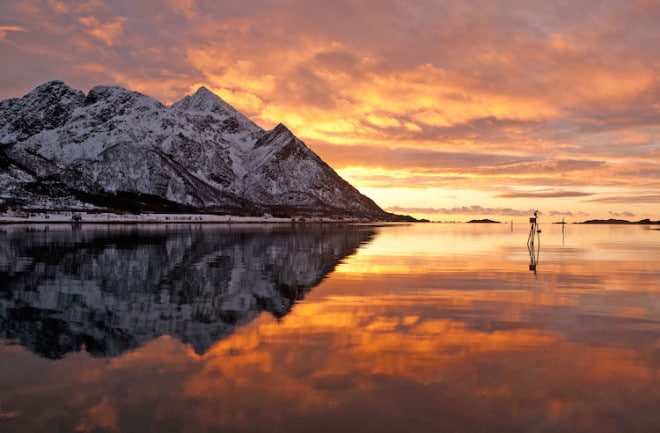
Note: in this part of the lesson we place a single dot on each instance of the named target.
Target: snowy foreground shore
(112, 218)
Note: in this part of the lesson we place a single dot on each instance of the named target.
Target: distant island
(620, 221)
(483, 221)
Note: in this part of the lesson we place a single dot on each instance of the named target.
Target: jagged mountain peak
(202, 100)
(281, 128)
(52, 86)
(203, 91)
(205, 101)
(48, 106)
(119, 96)
(52, 92)
(278, 138)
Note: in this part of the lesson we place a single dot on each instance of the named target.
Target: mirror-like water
(329, 328)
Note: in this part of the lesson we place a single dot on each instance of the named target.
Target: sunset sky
(449, 110)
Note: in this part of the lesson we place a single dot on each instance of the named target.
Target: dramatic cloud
(463, 210)
(471, 100)
(108, 32)
(8, 28)
(554, 213)
(626, 199)
(543, 194)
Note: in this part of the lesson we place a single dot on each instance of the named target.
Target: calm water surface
(418, 328)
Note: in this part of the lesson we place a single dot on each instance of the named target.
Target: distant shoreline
(111, 218)
(71, 217)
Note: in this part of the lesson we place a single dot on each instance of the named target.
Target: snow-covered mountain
(110, 289)
(118, 149)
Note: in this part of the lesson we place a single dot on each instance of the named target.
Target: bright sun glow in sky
(442, 109)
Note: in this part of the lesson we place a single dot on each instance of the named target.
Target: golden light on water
(423, 325)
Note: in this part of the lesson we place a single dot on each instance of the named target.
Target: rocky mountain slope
(122, 150)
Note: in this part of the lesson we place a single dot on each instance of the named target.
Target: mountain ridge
(117, 149)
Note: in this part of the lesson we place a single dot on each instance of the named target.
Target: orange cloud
(108, 32)
(186, 7)
(4, 29)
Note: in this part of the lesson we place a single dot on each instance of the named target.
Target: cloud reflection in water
(426, 328)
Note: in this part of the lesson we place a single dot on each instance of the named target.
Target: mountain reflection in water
(110, 289)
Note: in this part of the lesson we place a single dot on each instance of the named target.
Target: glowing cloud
(108, 32)
(4, 29)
